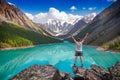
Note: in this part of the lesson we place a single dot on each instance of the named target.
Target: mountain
(104, 28)
(57, 27)
(12, 35)
(75, 29)
(62, 29)
(17, 30)
(89, 17)
(12, 14)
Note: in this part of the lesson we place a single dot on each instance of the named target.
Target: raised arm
(73, 39)
(83, 40)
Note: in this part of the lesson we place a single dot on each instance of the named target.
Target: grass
(114, 45)
(15, 36)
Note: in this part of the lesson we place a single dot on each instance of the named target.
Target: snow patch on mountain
(89, 17)
(11, 4)
(58, 22)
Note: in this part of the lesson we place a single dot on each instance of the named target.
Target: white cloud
(91, 8)
(53, 14)
(111, 0)
(29, 15)
(73, 8)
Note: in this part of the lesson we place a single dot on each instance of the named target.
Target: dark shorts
(78, 53)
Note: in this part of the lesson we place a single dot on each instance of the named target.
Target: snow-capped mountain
(89, 17)
(60, 27)
(57, 27)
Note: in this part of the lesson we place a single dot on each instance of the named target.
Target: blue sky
(79, 7)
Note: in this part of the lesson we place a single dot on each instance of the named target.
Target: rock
(81, 74)
(115, 71)
(49, 72)
(90, 75)
(95, 73)
(65, 76)
(78, 71)
(36, 72)
(100, 72)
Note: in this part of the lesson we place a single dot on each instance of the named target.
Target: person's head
(78, 39)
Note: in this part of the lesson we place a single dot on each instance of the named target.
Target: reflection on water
(60, 55)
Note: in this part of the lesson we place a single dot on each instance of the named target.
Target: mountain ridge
(17, 30)
(12, 14)
(62, 28)
(104, 27)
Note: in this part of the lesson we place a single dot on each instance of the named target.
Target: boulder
(95, 73)
(79, 72)
(36, 72)
(65, 76)
(100, 72)
(90, 75)
(115, 71)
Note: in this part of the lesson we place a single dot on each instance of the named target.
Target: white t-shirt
(79, 46)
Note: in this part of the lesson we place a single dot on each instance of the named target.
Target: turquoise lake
(60, 55)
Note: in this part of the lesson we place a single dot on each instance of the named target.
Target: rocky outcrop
(36, 72)
(115, 71)
(97, 73)
(49, 72)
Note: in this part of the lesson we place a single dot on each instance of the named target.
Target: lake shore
(97, 47)
(14, 48)
(106, 50)
(22, 47)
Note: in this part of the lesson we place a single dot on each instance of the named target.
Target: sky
(40, 8)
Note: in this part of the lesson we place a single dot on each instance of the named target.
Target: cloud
(91, 8)
(29, 15)
(111, 0)
(73, 8)
(53, 14)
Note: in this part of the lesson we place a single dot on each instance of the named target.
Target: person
(79, 44)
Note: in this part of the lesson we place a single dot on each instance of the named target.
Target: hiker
(79, 43)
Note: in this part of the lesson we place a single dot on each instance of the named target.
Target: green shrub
(16, 36)
(113, 44)
(4, 45)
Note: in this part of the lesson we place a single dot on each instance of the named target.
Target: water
(60, 55)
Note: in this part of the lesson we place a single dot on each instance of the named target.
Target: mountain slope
(57, 27)
(16, 29)
(63, 28)
(76, 27)
(104, 27)
(10, 13)
(14, 36)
